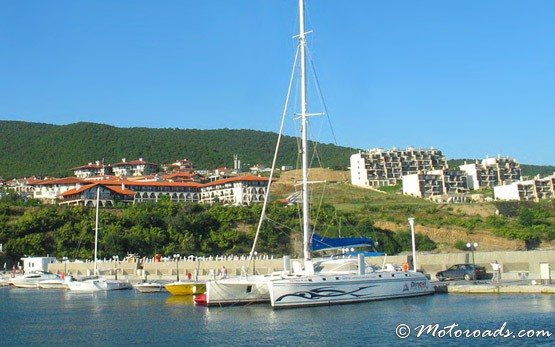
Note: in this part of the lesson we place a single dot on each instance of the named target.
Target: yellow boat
(186, 288)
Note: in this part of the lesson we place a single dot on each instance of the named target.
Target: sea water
(56, 317)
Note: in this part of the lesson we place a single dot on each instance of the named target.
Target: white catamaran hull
(330, 289)
(237, 291)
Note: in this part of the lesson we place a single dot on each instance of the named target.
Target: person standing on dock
(223, 272)
(496, 267)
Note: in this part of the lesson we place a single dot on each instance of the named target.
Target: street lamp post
(176, 257)
(116, 258)
(254, 263)
(413, 239)
(472, 247)
(65, 265)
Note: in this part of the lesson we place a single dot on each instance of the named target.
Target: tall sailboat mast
(96, 229)
(304, 135)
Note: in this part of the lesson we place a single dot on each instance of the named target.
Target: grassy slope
(445, 224)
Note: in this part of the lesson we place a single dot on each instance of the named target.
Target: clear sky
(473, 77)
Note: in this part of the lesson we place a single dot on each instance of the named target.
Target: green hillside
(43, 149)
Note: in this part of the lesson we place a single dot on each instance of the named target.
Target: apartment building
(440, 185)
(529, 190)
(379, 167)
(491, 172)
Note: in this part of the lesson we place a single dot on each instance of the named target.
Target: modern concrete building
(529, 190)
(491, 172)
(379, 167)
(438, 185)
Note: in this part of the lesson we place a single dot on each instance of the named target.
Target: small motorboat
(31, 279)
(56, 283)
(97, 284)
(201, 300)
(186, 288)
(149, 287)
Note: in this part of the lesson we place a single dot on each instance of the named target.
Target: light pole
(472, 247)
(413, 238)
(254, 263)
(65, 265)
(116, 258)
(176, 257)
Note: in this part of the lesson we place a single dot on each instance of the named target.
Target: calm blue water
(41, 317)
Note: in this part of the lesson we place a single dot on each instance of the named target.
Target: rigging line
(318, 210)
(282, 125)
(320, 94)
(280, 224)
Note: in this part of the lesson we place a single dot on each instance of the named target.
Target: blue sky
(473, 78)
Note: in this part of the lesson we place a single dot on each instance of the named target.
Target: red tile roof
(246, 178)
(116, 189)
(152, 183)
(66, 180)
(134, 162)
(90, 166)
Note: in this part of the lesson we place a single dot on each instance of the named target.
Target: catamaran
(318, 282)
(333, 281)
(96, 283)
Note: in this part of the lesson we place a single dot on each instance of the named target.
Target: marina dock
(513, 287)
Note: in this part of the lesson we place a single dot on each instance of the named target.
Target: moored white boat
(237, 290)
(341, 287)
(57, 283)
(31, 279)
(149, 287)
(97, 284)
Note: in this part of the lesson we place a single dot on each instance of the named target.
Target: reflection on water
(180, 300)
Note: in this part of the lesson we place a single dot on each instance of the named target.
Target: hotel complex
(139, 181)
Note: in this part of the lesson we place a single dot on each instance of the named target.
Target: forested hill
(43, 149)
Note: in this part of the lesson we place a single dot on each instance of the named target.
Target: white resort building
(50, 190)
(240, 190)
(438, 185)
(378, 167)
(92, 170)
(491, 172)
(134, 168)
(529, 190)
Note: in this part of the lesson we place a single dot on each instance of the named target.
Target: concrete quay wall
(514, 265)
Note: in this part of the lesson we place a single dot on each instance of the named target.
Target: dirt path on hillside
(446, 237)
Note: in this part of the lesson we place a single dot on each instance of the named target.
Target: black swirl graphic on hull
(326, 292)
